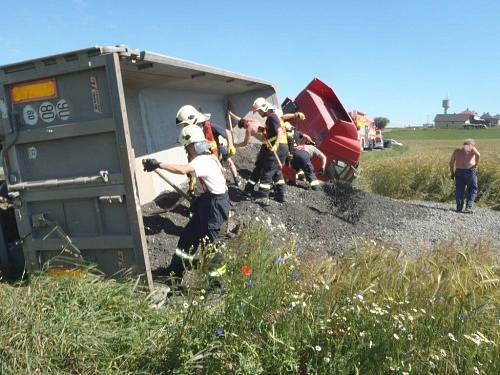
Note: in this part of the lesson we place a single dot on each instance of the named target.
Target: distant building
(451, 121)
(467, 118)
(491, 120)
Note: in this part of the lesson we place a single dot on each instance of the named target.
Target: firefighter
(272, 153)
(211, 205)
(302, 152)
(189, 115)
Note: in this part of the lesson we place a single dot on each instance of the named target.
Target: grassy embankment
(419, 169)
(372, 311)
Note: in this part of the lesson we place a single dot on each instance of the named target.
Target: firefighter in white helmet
(189, 115)
(274, 148)
(211, 206)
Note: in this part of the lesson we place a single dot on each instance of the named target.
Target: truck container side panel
(59, 158)
(62, 141)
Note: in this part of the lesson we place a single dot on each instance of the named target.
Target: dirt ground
(328, 221)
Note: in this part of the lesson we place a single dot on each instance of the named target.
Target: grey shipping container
(74, 128)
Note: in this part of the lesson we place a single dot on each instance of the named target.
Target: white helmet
(191, 134)
(189, 115)
(262, 104)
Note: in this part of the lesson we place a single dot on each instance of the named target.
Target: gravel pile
(328, 221)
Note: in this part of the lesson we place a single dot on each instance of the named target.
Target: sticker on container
(32, 153)
(3, 109)
(47, 112)
(96, 95)
(30, 116)
(62, 109)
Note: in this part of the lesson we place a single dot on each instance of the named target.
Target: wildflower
(423, 311)
(318, 348)
(410, 337)
(327, 359)
(185, 305)
(476, 370)
(299, 251)
(202, 298)
(280, 260)
(203, 291)
(435, 357)
(303, 304)
(405, 373)
(251, 282)
(452, 338)
(246, 270)
(371, 344)
(243, 305)
(195, 303)
(443, 353)
(461, 317)
(362, 334)
(327, 287)
(295, 275)
(359, 296)
(294, 303)
(219, 332)
(396, 336)
(432, 364)
(388, 269)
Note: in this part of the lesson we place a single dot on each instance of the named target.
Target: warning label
(96, 95)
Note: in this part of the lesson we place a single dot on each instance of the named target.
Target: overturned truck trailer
(74, 129)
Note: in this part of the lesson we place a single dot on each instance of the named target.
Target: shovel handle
(176, 188)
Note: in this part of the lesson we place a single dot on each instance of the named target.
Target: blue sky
(388, 58)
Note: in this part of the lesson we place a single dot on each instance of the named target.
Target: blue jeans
(465, 178)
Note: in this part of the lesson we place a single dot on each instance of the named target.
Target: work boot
(249, 189)
(469, 210)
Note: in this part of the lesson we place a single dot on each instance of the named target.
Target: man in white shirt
(211, 206)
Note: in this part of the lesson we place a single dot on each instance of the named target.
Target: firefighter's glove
(150, 164)
(231, 151)
(192, 185)
(300, 116)
(274, 148)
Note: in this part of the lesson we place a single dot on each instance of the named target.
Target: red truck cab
(330, 126)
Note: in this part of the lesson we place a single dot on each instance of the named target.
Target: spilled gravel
(329, 221)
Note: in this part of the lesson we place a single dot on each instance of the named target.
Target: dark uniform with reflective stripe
(301, 161)
(266, 168)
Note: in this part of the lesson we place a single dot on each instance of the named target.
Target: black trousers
(209, 215)
(267, 171)
(302, 161)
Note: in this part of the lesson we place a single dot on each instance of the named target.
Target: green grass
(383, 154)
(455, 134)
(372, 311)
